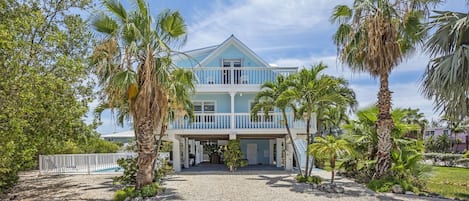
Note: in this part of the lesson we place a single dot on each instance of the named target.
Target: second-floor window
(204, 111)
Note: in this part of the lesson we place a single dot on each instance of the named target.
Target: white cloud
(260, 22)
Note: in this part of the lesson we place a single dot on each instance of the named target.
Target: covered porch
(202, 152)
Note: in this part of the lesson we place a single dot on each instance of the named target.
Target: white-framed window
(261, 117)
(203, 111)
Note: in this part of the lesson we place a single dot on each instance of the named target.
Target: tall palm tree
(374, 36)
(445, 79)
(271, 97)
(133, 67)
(313, 90)
(330, 148)
(414, 116)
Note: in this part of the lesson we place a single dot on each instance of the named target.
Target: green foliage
(91, 145)
(130, 171)
(466, 155)
(44, 85)
(309, 179)
(385, 185)
(233, 155)
(130, 192)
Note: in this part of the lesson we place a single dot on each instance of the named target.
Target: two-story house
(228, 77)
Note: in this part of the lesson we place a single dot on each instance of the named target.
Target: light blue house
(228, 77)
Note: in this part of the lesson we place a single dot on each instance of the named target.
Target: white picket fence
(85, 163)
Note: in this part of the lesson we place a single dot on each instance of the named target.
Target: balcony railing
(236, 121)
(239, 75)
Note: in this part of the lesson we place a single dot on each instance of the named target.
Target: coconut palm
(330, 148)
(133, 67)
(445, 79)
(314, 90)
(270, 98)
(414, 116)
(374, 36)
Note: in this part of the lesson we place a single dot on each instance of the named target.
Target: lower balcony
(230, 121)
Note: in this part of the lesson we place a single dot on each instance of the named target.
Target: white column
(192, 148)
(197, 152)
(232, 136)
(289, 155)
(186, 153)
(279, 151)
(176, 155)
(232, 94)
(271, 151)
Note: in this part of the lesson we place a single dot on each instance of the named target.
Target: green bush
(130, 171)
(381, 185)
(130, 192)
(466, 155)
(233, 155)
(309, 179)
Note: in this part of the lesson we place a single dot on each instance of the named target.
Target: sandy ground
(33, 186)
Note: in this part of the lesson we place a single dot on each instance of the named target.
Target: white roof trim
(232, 40)
(125, 134)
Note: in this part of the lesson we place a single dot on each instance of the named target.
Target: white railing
(84, 163)
(272, 120)
(204, 121)
(239, 75)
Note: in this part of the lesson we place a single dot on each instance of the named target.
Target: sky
(291, 33)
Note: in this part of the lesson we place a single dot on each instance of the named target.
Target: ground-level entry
(258, 150)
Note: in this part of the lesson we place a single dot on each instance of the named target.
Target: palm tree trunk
(308, 139)
(145, 150)
(159, 142)
(384, 127)
(295, 150)
(332, 169)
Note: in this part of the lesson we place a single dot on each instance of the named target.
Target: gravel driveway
(263, 187)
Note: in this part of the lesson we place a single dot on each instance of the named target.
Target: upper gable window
(232, 62)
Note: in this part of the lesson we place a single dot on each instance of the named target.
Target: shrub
(309, 179)
(464, 162)
(233, 155)
(466, 155)
(130, 192)
(381, 185)
(130, 171)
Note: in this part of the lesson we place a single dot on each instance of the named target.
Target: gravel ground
(33, 186)
(209, 186)
(263, 187)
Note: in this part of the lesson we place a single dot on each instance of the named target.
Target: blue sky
(292, 33)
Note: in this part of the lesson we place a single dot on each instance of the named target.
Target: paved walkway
(263, 186)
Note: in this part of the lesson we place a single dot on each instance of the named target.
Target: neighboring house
(123, 137)
(461, 139)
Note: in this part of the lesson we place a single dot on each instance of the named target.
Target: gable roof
(232, 40)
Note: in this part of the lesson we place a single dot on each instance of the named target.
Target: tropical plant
(272, 96)
(330, 148)
(455, 127)
(233, 155)
(374, 37)
(414, 116)
(445, 78)
(314, 91)
(133, 67)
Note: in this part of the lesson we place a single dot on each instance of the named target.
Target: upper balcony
(219, 79)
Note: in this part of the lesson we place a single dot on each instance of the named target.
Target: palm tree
(271, 97)
(330, 148)
(414, 116)
(374, 36)
(133, 67)
(314, 90)
(445, 79)
(455, 127)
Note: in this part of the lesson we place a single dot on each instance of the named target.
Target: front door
(251, 154)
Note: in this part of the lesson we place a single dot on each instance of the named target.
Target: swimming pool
(113, 169)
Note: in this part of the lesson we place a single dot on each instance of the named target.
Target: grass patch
(449, 182)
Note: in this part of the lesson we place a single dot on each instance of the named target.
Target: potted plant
(233, 155)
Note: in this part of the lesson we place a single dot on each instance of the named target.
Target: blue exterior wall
(232, 52)
(242, 102)
(185, 61)
(262, 146)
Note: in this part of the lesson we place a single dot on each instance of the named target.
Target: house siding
(232, 52)
(262, 147)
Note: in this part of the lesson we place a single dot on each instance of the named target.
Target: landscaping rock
(397, 189)
(314, 186)
(339, 189)
(409, 193)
